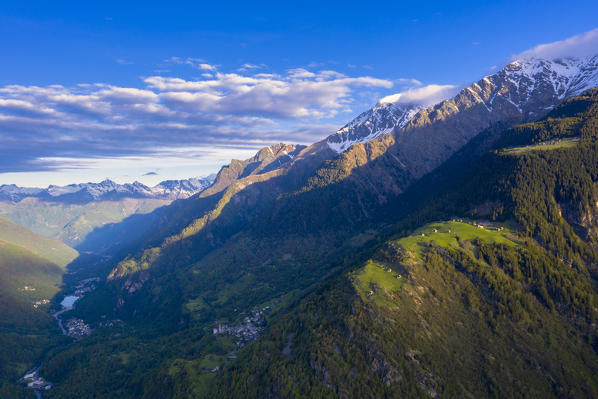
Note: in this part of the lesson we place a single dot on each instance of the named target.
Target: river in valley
(76, 329)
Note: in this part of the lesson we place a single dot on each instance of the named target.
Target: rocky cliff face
(267, 159)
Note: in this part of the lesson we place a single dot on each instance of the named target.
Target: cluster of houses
(77, 328)
(247, 331)
(41, 302)
(389, 270)
(111, 323)
(478, 225)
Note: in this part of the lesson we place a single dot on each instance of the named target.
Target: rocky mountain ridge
(524, 89)
(375, 171)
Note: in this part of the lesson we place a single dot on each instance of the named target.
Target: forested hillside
(499, 305)
(28, 282)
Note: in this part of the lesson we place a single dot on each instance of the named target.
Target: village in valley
(247, 331)
(77, 328)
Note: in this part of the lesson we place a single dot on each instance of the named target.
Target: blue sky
(89, 91)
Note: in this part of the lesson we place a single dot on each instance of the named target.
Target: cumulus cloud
(24, 107)
(42, 125)
(299, 93)
(579, 46)
(426, 95)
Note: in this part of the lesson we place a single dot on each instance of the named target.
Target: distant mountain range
(107, 190)
(94, 216)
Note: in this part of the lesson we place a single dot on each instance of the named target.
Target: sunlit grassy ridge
(552, 145)
(377, 281)
(435, 315)
(448, 234)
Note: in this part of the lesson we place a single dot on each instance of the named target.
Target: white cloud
(300, 93)
(206, 67)
(426, 96)
(21, 105)
(41, 127)
(300, 73)
(127, 94)
(198, 63)
(580, 46)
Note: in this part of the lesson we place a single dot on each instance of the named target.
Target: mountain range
(106, 190)
(95, 217)
(440, 246)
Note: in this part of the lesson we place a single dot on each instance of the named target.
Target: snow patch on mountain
(526, 84)
(568, 76)
(390, 113)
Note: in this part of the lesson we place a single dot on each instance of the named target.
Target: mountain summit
(529, 87)
(390, 113)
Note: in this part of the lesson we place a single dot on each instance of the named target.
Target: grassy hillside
(51, 249)
(31, 271)
(25, 278)
(27, 283)
(458, 313)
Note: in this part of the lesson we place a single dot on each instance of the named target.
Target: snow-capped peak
(529, 86)
(108, 190)
(568, 76)
(390, 113)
